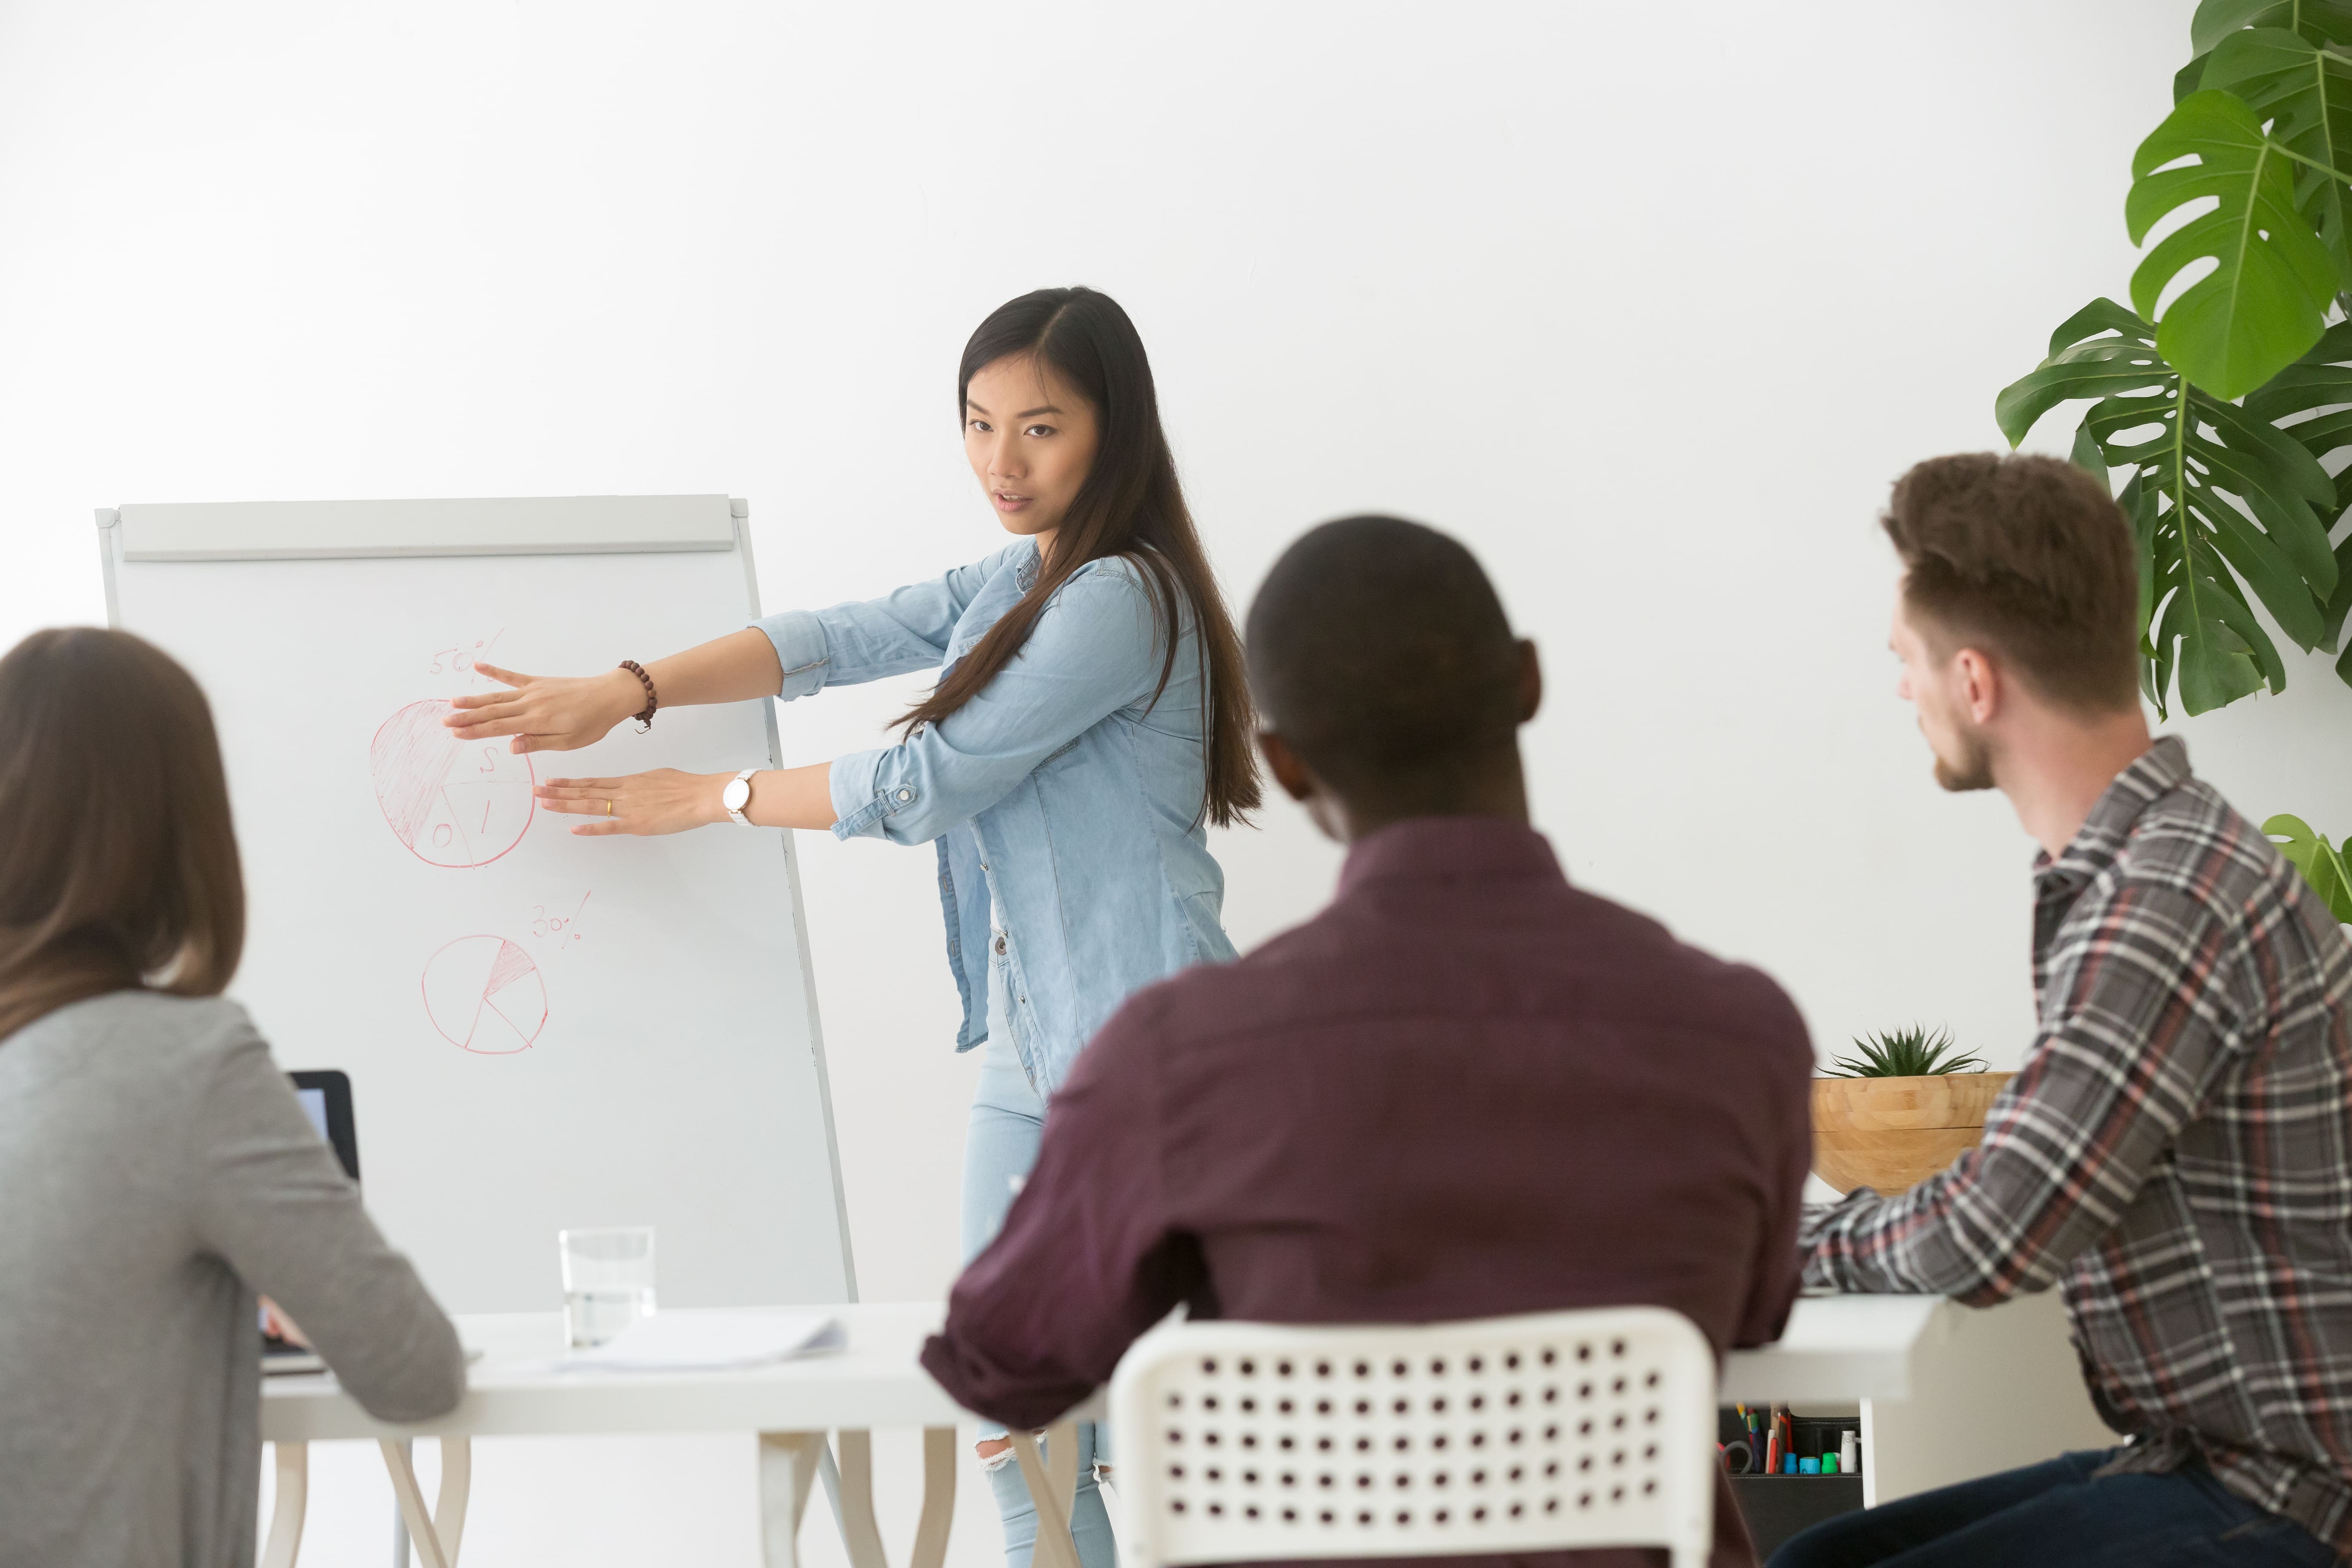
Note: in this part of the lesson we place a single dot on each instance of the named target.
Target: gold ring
(608, 808)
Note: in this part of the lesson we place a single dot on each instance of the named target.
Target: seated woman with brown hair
(157, 1168)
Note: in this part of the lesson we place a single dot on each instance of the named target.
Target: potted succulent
(1900, 1110)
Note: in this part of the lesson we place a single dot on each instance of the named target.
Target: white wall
(1649, 305)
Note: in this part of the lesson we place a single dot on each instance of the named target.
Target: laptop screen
(326, 1098)
(314, 1106)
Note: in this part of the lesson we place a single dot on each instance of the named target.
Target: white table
(513, 1389)
(1947, 1393)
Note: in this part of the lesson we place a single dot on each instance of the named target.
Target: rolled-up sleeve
(1094, 650)
(799, 636)
(904, 631)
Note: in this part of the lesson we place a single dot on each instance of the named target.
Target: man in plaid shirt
(2176, 1151)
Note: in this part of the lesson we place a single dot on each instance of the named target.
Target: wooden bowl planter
(1893, 1133)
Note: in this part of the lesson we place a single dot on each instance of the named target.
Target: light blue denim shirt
(1061, 794)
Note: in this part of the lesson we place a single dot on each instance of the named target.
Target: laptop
(326, 1099)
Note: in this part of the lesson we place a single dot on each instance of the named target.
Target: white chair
(1241, 1442)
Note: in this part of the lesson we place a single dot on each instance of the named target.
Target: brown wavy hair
(118, 861)
(2031, 559)
(1129, 505)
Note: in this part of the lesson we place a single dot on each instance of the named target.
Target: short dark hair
(118, 862)
(2030, 559)
(1377, 649)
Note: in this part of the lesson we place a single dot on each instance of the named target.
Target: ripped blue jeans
(1001, 1145)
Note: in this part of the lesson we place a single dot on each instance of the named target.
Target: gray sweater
(155, 1172)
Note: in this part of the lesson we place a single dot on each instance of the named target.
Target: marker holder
(1776, 1507)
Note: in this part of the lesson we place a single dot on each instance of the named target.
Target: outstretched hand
(546, 713)
(663, 801)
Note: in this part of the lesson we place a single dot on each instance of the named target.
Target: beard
(1971, 770)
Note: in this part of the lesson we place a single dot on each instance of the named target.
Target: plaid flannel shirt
(2176, 1151)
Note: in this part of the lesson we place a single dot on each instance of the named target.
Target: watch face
(736, 793)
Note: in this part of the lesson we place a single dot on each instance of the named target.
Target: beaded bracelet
(645, 719)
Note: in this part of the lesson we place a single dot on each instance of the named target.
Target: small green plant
(2322, 865)
(1907, 1053)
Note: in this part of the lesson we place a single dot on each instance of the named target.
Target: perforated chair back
(1240, 1442)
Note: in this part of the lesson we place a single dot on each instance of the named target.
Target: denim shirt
(1061, 794)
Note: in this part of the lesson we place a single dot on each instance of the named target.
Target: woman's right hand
(547, 712)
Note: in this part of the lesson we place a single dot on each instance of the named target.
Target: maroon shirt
(1465, 1090)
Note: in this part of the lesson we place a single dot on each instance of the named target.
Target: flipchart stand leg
(1053, 1490)
(399, 1519)
(788, 1467)
(830, 1474)
(293, 1463)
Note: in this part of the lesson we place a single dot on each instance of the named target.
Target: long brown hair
(1129, 505)
(118, 863)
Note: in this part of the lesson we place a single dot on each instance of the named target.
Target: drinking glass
(608, 1280)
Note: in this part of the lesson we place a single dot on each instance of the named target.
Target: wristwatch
(736, 795)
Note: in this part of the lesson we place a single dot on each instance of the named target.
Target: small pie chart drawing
(453, 803)
(485, 995)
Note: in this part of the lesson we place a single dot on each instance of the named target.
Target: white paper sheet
(709, 1342)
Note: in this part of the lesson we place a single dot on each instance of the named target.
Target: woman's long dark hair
(1129, 505)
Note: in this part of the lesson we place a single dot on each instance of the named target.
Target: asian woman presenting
(1090, 719)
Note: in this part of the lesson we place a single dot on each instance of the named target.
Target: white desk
(513, 1389)
(1947, 1393)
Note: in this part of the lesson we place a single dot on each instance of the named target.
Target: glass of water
(608, 1280)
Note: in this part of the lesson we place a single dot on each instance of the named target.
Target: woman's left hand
(663, 801)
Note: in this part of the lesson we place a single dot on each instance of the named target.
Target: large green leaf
(2311, 401)
(2200, 548)
(2314, 21)
(2304, 92)
(2263, 302)
(2317, 20)
(2322, 865)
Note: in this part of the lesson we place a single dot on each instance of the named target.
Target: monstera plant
(2223, 395)
(2321, 864)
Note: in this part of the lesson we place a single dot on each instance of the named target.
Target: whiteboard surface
(542, 1030)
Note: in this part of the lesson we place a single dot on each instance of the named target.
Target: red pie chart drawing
(484, 992)
(451, 801)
